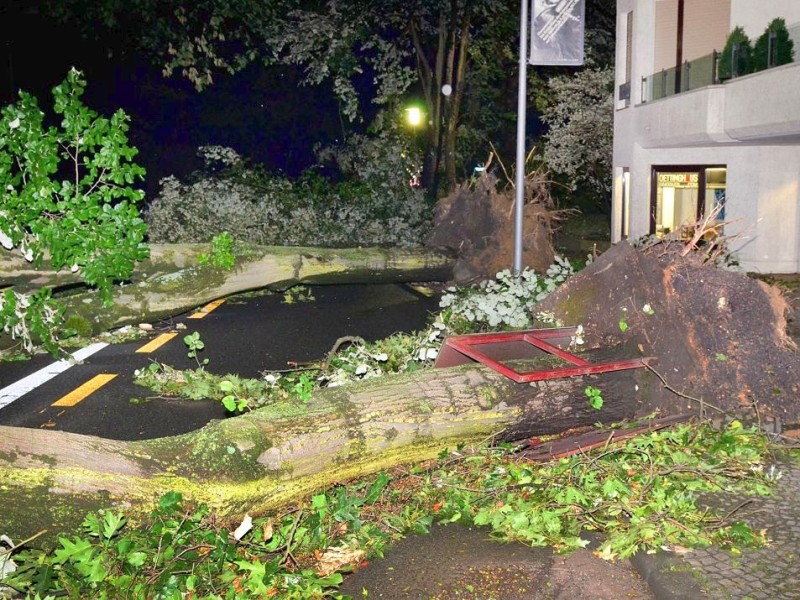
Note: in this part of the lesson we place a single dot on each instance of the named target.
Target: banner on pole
(557, 32)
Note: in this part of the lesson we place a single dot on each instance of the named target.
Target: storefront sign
(678, 179)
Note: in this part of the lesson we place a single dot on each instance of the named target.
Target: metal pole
(521, 105)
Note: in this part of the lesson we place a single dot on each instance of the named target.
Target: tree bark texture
(171, 281)
(265, 459)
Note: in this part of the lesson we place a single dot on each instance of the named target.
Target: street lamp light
(414, 116)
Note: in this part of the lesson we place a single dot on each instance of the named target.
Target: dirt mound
(718, 337)
(477, 221)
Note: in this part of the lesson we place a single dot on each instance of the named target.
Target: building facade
(693, 136)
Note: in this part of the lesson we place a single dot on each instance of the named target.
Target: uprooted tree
(70, 219)
(716, 337)
(476, 220)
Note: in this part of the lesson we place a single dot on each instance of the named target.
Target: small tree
(736, 59)
(67, 198)
(580, 118)
(773, 47)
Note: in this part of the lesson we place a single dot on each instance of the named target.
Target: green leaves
(221, 255)
(67, 191)
(31, 318)
(623, 320)
(504, 302)
(195, 345)
(88, 219)
(641, 495)
(232, 401)
(104, 525)
(595, 397)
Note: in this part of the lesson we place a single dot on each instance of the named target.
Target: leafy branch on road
(641, 495)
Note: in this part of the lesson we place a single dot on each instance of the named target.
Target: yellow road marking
(156, 342)
(79, 393)
(206, 309)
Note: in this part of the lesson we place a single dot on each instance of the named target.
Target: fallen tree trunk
(266, 458)
(172, 281)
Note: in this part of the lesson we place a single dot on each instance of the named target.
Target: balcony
(691, 75)
(699, 73)
(757, 108)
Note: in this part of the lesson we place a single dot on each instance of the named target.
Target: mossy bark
(264, 459)
(172, 281)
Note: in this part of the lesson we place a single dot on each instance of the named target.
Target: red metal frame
(461, 349)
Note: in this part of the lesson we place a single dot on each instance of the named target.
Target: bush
(744, 60)
(580, 121)
(68, 198)
(501, 303)
(784, 47)
(373, 206)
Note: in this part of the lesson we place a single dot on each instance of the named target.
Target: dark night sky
(261, 113)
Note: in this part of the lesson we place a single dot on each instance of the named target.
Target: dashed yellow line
(156, 343)
(206, 309)
(79, 393)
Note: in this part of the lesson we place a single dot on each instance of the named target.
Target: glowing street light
(414, 116)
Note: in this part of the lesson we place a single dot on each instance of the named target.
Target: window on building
(625, 86)
(682, 195)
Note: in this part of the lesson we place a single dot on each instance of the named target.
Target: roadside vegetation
(641, 495)
(372, 204)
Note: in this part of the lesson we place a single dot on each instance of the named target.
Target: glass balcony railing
(695, 74)
(690, 75)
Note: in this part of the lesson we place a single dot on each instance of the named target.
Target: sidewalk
(770, 573)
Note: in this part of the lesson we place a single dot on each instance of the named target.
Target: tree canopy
(375, 56)
(578, 144)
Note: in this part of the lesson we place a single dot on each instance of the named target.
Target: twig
(703, 227)
(288, 554)
(502, 165)
(23, 542)
(347, 339)
(702, 402)
(742, 504)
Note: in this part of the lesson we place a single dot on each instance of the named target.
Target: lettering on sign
(678, 179)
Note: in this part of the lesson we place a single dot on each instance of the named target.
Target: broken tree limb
(269, 457)
(172, 281)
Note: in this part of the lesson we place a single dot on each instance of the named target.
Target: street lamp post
(519, 201)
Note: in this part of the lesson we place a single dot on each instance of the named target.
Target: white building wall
(751, 125)
(754, 15)
(766, 185)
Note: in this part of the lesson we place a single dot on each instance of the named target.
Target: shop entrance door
(681, 195)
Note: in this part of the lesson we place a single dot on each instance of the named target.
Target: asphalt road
(244, 335)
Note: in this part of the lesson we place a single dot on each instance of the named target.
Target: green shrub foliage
(67, 190)
(744, 55)
(783, 51)
(68, 197)
(373, 205)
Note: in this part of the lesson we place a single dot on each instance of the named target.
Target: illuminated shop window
(682, 195)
